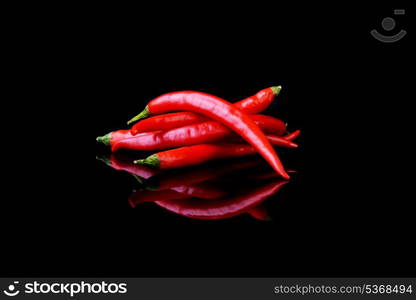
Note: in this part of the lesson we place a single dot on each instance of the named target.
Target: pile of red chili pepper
(190, 128)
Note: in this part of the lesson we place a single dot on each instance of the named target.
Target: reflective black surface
(346, 212)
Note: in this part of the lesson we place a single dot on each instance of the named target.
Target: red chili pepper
(221, 111)
(201, 133)
(222, 208)
(194, 155)
(251, 105)
(260, 101)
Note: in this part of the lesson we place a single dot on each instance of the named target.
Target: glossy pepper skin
(218, 110)
(201, 133)
(222, 208)
(251, 105)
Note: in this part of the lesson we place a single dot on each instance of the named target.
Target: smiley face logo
(389, 24)
(12, 291)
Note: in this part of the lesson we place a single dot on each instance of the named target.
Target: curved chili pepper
(201, 133)
(194, 155)
(117, 163)
(223, 208)
(251, 105)
(221, 111)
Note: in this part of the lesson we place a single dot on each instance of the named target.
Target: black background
(82, 72)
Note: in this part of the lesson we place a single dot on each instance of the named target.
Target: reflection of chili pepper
(222, 208)
(142, 196)
(199, 173)
(116, 162)
(259, 212)
(202, 190)
(114, 137)
(221, 111)
(202, 133)
(250, 105)
(194, 155)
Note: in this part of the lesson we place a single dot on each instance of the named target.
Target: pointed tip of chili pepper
(291, 136)
(285, 176)
(105, 139)
(276, 89)
(151, 161)
(143, 115)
